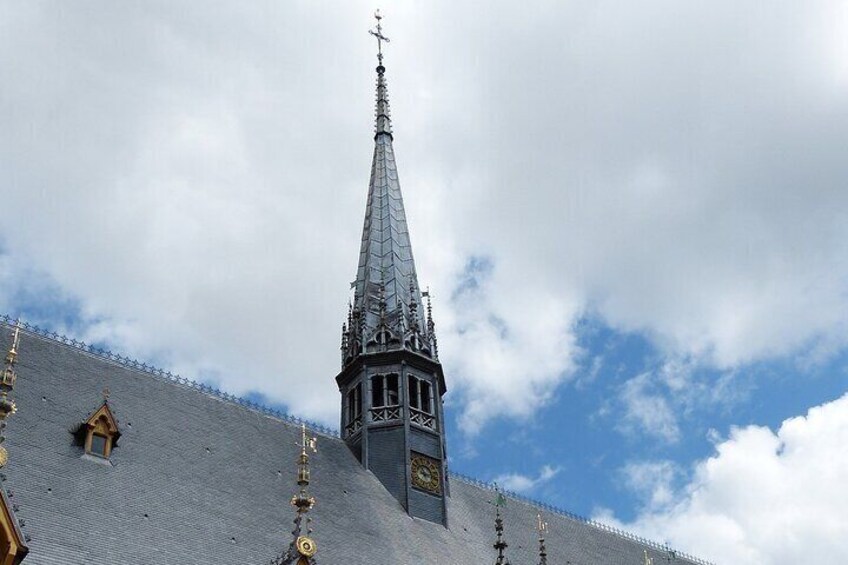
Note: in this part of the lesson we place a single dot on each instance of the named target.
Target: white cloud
(646, 411)
(764, 497)
(652, 480)
(516, 482)
(196, 179)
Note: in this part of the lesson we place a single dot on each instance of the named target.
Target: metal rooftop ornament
(380, 37)
(7, 383)
(542, 529)
(302, 549)
(500, 544)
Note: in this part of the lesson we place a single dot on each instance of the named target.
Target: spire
(7, 383)
(386, 290)
(302, 548)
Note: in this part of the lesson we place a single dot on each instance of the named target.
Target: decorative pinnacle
(7, 384)
(500, 544)
(542, 528)
(648, 560)
(302, 548)
(380, 37)
(302, 501)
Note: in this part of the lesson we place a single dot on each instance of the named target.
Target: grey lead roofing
(198, 478)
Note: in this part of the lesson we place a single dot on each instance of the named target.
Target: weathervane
(380, 37)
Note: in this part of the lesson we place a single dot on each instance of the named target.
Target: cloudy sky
(633, 218)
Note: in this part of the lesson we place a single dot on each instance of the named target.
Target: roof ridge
(173, 378)
(578, 518)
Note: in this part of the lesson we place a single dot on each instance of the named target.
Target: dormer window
(98, 444)
(101, 432)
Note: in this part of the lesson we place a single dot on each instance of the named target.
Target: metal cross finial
(379, 35)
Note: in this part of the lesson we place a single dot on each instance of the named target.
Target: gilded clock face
(426, 474)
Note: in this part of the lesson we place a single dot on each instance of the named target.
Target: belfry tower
(391, 381)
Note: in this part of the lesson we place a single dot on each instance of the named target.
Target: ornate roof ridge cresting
(551, 509)
(173, 378)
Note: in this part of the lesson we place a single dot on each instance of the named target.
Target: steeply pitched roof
(387, 295)
(200, 479)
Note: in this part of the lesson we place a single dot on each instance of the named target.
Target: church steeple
(384, 313)
(391, 380)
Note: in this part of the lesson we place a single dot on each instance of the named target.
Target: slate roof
(199, 478)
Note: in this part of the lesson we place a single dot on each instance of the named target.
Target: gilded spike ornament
(302, 549)
(7, 384)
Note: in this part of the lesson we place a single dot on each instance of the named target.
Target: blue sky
(632, 219)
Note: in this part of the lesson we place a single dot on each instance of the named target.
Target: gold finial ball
(4, 457)
(305, 546)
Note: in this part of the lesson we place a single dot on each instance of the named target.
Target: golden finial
(303, 547)
(12, 355)
(7, 384)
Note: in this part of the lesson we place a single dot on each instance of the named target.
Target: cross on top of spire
(379, 35)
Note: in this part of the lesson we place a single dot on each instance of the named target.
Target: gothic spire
(386, 290)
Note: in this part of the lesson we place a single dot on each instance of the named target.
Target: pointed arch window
(101, 432)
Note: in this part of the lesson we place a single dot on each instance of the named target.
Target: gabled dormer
(101, 432)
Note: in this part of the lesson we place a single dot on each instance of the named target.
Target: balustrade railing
(385, 413)
(353, 427)
(422, 418)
